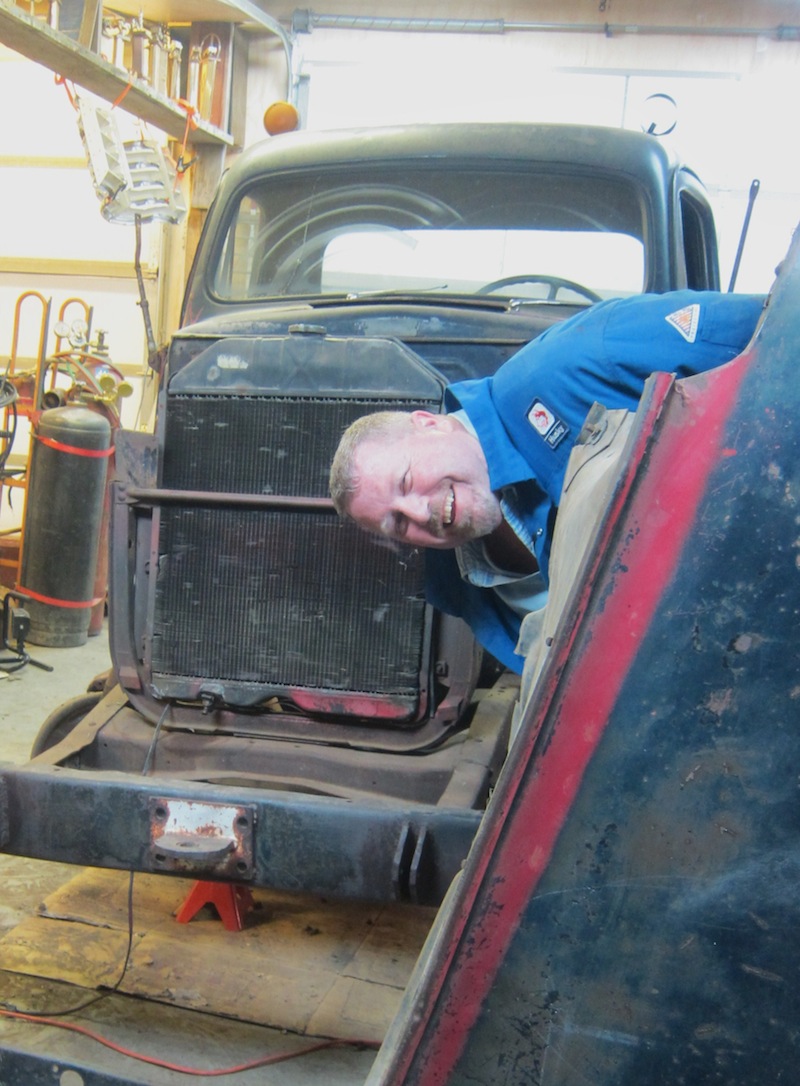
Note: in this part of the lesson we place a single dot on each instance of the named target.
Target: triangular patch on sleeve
(686, 321)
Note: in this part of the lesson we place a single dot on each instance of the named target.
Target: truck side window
(699, 244)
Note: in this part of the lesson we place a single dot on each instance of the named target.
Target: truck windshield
(448, 229)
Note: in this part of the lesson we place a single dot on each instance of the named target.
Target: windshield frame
(619, 198)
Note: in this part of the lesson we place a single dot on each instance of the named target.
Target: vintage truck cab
(285, 708)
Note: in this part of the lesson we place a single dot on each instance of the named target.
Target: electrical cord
(201, 1072)
(8, 403)
(148, 761)
(8, 393)
(16, 623)
(51, 1018)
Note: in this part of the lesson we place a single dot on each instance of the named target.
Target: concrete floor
(27, 697)
(183, 1037)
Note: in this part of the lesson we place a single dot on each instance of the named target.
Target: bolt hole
(71, 1078)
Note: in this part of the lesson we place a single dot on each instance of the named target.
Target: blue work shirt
(528, 415)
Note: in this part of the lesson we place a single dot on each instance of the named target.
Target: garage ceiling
(703, 14)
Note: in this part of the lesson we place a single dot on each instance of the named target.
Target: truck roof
(572, 145)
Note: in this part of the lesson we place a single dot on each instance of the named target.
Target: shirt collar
(472, 400)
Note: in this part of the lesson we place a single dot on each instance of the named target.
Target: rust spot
(719, 701)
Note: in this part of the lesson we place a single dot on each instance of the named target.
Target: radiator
(257, 603)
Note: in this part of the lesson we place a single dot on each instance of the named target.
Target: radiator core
(266, 602)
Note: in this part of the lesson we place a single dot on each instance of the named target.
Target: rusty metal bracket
(194, 835)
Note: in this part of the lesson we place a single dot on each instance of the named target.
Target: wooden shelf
(34, 39)
(179, 11)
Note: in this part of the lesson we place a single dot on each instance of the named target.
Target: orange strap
(73, 450)
(61, 81)
(58, 603)
(122, 94)
(191, 123)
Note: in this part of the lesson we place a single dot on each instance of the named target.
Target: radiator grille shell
(258, 602)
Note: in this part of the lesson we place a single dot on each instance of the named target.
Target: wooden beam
(76, 269)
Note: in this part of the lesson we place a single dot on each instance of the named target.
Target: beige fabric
(591, 473)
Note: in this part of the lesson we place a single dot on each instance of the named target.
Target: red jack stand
(231, 900)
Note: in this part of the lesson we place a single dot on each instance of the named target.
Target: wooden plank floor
(300, 963)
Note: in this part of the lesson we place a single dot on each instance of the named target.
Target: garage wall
(731, 69)
(731, 86)
(50, 212)
(56, 247)
(734, 90)
(54, 241)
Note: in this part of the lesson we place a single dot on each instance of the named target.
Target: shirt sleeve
(684, 332)
(605, 354)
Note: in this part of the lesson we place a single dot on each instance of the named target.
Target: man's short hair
(344, 479)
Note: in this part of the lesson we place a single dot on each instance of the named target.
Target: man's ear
(427, 420)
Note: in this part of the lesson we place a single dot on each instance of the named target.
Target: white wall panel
(732, 93)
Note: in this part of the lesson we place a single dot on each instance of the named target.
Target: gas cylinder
(67, 475)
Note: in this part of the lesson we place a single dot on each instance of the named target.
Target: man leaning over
(480, 485)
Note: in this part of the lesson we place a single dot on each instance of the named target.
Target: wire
(261, 1061)
(51, 1018)
(42, 1015)
(8, 398)
(8, 393)
(144, 305)
(151, 750)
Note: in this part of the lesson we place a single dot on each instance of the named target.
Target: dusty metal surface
(184, 833)
(370, 850)
(629, 913)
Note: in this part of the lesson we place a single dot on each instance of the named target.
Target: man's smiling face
(428, 485)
